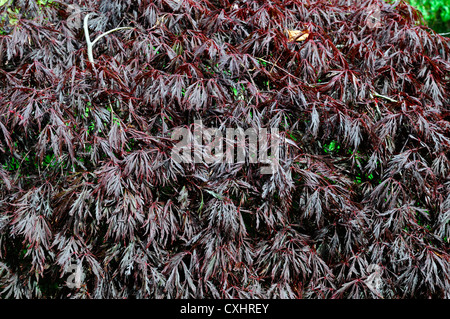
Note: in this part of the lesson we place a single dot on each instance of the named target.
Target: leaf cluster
(86, 174)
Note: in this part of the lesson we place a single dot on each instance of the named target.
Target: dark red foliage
(87, 177)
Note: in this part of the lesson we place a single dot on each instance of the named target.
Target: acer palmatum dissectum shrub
(359, 90)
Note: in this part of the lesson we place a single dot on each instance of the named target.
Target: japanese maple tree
(359, 91)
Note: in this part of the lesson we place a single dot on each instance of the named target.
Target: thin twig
(251, 79)
(384, 97)
(110, 31)
(279, 67)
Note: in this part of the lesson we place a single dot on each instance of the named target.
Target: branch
(110, 31)
(88, 39)
(90, 45)
(383, 97)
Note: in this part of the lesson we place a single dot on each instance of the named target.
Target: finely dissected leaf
(357, 204)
